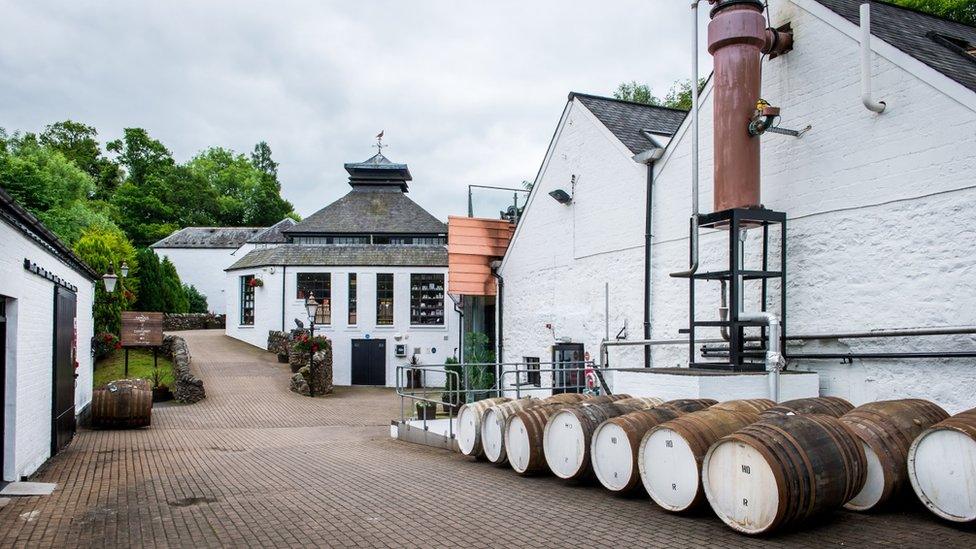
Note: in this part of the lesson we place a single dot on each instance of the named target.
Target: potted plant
(426, 410)
(160, 392)
(255, 282)
(302, 346)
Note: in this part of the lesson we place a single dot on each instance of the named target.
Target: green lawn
(140, 366)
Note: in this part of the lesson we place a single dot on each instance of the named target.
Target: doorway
(567, 366)
(63, 405)
(369, 362)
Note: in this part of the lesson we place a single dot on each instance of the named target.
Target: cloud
(468, 92)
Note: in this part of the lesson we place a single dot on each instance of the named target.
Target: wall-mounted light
(561, 196)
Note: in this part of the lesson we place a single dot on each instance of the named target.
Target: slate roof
(912, 32)
(345, 255)
(273, 234)
(626, 119)
(22, 220)
(371, 210)
(209, 237)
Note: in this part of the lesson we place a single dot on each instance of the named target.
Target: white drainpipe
(775, 362)
(869, 102)
(693, 268)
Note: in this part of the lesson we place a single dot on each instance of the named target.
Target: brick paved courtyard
(255, 465)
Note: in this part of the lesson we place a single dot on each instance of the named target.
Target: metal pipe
(693, 267)
(869, 102)
(852, 356)
(500, 333)
(648, 218)
(723, 311)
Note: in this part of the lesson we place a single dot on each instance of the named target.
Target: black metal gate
(369, 362)
(63, 401)
(568, 361)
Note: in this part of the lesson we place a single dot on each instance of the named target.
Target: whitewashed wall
(880, 229)
(437, 343)
(204, 269)
(30, 325)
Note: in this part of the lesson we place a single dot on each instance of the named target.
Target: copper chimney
(737, 36)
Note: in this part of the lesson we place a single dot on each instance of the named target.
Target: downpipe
(775, 361)
(693, 267)
(869, 102)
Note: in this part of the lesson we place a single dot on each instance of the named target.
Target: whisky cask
(469, 425)
(942, 467)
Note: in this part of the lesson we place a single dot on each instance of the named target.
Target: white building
(46, 296)
(880, 228)
(200, 254)
(377, 263)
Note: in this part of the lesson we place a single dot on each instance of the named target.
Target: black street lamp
(312, 308)
(110, 279)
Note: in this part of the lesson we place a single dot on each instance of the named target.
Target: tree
(261, 160)
(246, 195)
(636, 92)
(197, 302)
(963, 11)
(141, 155)
(78, 143)
(149, 277)
(677, 97)
(101, 248)
(174, 297)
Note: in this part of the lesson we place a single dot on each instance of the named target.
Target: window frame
(323, 317)
(533, 378)
(352, 299)
(419, 303)
(247, 300)
(392, 299)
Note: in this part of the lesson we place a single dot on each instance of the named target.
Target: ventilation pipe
(869, 102)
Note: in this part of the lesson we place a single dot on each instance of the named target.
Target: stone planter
(319, 376)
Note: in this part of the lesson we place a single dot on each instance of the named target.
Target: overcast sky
(467, 92)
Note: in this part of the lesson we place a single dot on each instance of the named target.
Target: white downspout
(693, 268)
(869, 102)
(775, 362)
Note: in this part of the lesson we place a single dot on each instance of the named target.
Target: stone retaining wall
(173, 322)
(187, 388)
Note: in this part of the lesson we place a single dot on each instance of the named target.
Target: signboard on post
(141, 329)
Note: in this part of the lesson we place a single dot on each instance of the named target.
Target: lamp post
(109, 279)
(311, 307)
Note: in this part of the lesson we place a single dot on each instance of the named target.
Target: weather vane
(379, 142)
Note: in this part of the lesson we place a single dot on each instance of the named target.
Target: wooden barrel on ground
(469, 425)
(566, 398)
(122, 404)
(568, 436)
(783, 470)
(942, 467)
(671, 454)
(757, 405)
(688, 405)
(887, 430)
(493, 426)
(830, 406)
(615, 445)
(642, 402)
(523, 438)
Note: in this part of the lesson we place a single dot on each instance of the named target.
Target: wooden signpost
(141, 329)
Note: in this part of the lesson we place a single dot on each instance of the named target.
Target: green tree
(141, 155)
(149, 277)
(78, 143)
(636, 92)
(246, 195)
(174, 296)
(677, 97)
(963, 11)
(262, 161)
(101, 248)
(197, 302)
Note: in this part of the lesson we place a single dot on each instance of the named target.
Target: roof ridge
(573, 94)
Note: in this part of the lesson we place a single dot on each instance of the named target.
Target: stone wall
(173, 322)
(187, 388)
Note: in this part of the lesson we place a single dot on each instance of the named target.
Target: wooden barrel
(688, 405)
(523, 438)
(942, 467)
(566, 398)
(122, 404)
(830, 406)
(887, 430)
(493, 426)
(782, 470)
(615, 445)
(757, 405)
(642, 402)
(568, 436)
(671, 454)
(469, 425)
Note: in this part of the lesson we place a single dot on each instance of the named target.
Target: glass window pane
(247, 300)
(427, 299)
(319, 285)
(384, 299)
(352, 299)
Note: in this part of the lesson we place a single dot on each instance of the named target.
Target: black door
(369, 362)
(63, 409)
(567, 365)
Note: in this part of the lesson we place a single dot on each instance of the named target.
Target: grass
(112, 367)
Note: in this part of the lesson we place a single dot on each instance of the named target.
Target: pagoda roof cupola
(378, 171)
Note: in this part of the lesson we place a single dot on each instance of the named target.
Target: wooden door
(63, 393)
(369, 362)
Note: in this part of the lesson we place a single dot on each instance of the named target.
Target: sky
(467, 92)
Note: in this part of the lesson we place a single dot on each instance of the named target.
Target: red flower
(315, 348)
(118, 346)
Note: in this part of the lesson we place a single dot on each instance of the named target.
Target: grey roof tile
(911, 32)
(273, 234)
(345, 255)
(627, 120)
(371, 210)
(209, 237)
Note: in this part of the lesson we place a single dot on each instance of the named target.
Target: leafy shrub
(305, 344)
(104, 344)
(197, 301)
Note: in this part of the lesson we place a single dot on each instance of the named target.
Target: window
(384, 299)
(247, 300)
(427, 299)
(533, 375)
(352, 299)
(319, 285)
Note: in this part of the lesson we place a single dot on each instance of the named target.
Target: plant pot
(283, 358)
(161, 394)
(426, 412)
(450, 409)
(415, 378)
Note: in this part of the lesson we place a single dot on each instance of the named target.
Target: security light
(109, 279)
(561, 196)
